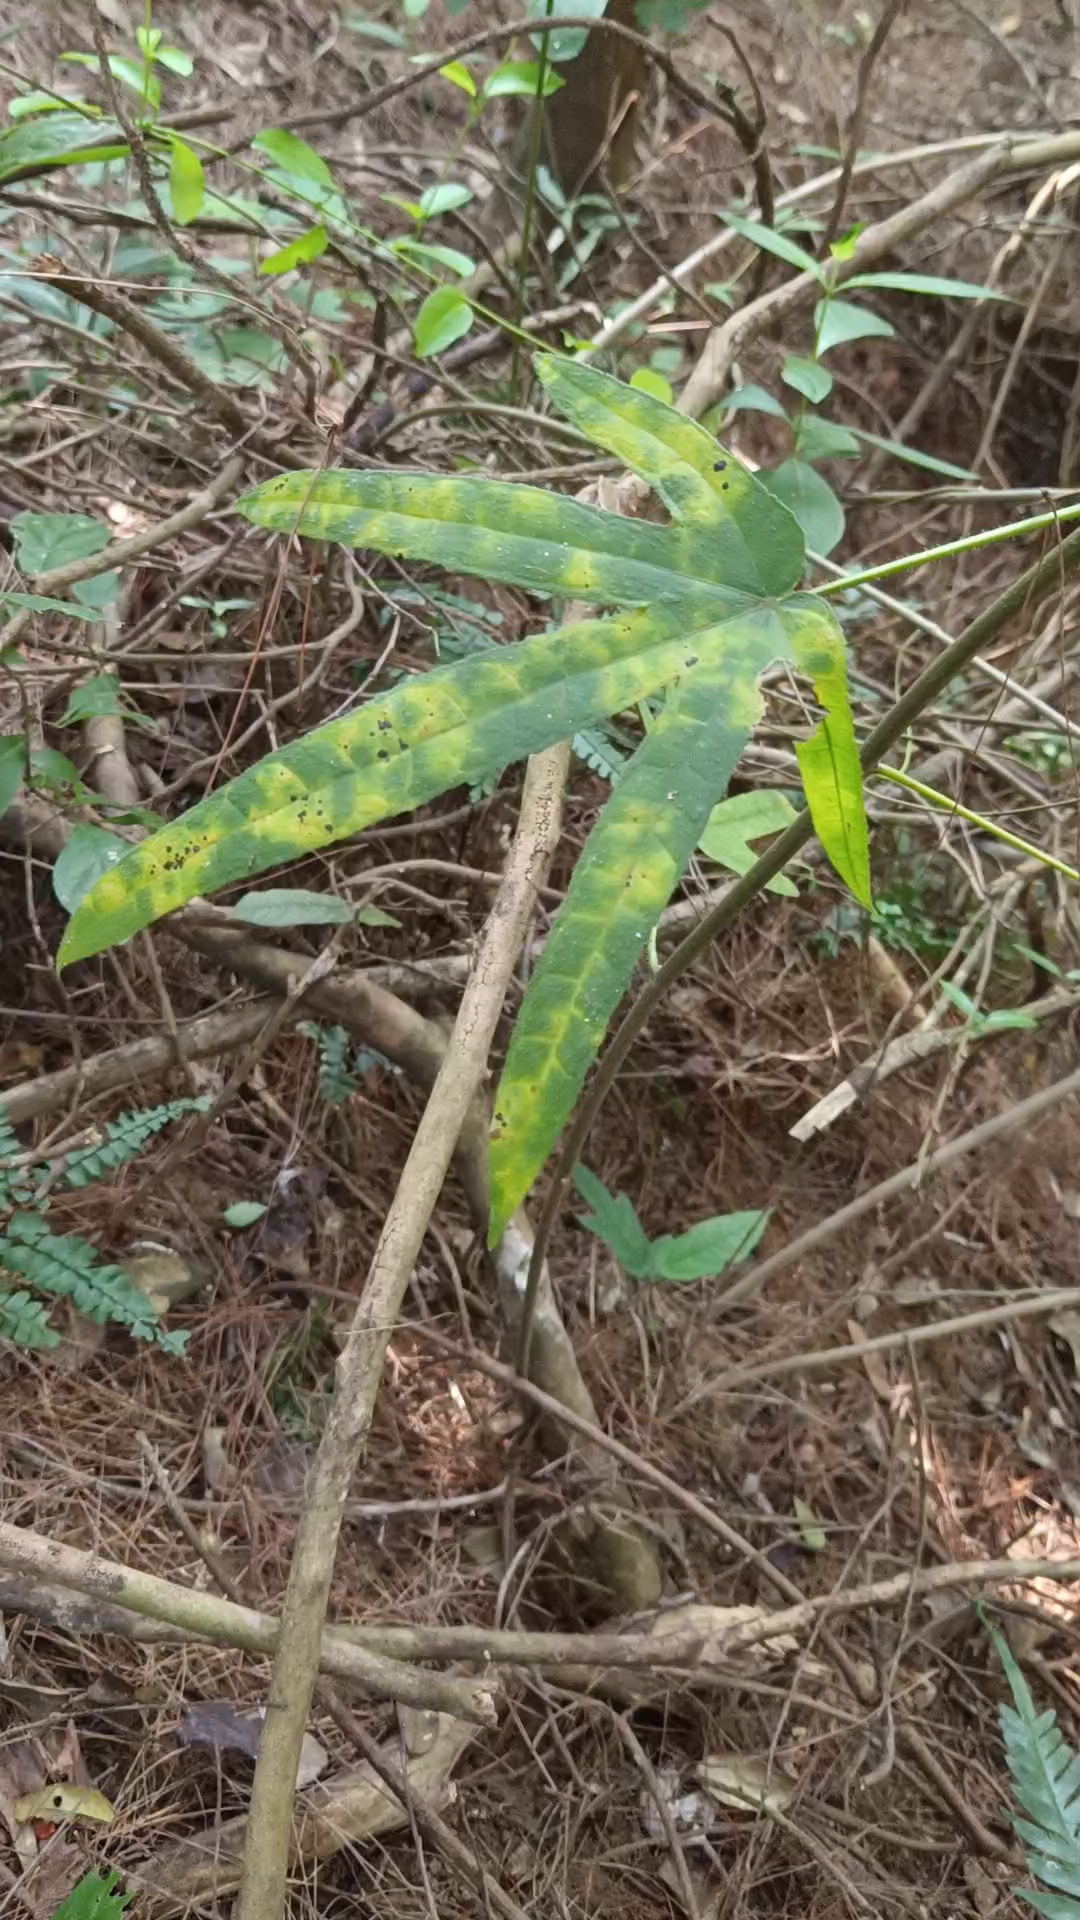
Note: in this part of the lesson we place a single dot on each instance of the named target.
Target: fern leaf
(94, 1898)
(124, 1138)
(65, 1265)
(599, 753)
(1046, 1775)
(25, 1322)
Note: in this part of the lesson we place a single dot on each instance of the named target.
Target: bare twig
(359, 1367)
(853, 136)
(211, 1618)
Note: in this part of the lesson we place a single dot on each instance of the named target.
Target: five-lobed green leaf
(707, 604)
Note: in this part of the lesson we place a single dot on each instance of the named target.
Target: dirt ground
(926, 1453)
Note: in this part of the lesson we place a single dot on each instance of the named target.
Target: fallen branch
(730, 340)
(360, 1364)
(207, 1617)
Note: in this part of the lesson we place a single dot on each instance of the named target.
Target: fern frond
(599, 753)
(25, 1321)
(124, 1138)
(65, 1265)
(1046, 1775)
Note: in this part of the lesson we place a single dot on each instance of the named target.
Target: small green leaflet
(772, 242)
(42, 603)
(87, 854)
(928, 283)
(187, 182)
(58, 140)
(811, 500)
(243, 1213)
(743, 817)
(522, 77)
(12, 767)
(838, 321)
(288, 151)
(298, 252)
(292, 907)
(814, 382)
(444, 317)
(701, 1253)
(704, 605)
(752, 399)
(647, 380)
(97, 698)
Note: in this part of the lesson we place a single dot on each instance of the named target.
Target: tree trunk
(590, 124)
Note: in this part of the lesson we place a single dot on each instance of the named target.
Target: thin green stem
(1025, 592)
(536, 127)
(948, 805)
(992, 537)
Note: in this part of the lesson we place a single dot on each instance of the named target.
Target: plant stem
(948, 805)
(536, 128)
(991, 537)
(1024, 593)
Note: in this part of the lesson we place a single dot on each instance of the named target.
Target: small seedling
(701, 1253)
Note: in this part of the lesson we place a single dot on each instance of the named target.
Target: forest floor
(923, 1452)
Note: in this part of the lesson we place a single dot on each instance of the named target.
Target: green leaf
(522, 77)
(613, 1220)
(914, 456)
(444, 197)
(817, 439)
(308, 246)
(814, 382)
(47, 540)
(752, 399)
(35, 102)
(829, 762)
(811, 500)
(175, 60)
(94, 1898)
(704, 1251)
(632, 861)
(99, 591)
(42, 603)
(563, 43)
(647, 380)
(87, 854)
(243, 1213)
(288, 151)
(12, 767)
(97, 698)
(811, 1530)
(292, 907)
(444, 317)
(743, 817)
(844, 248)
(772, 242)
(704, 607)
(449, 257)
(375, 917)
(187, 182)
(838, 321)
(459, 76)
(58, 140)
(377, 30)
(927, 283)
